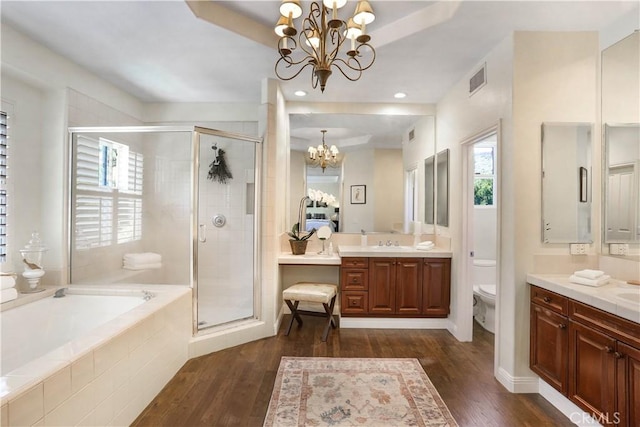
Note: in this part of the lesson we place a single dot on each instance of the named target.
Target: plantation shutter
(4, 126)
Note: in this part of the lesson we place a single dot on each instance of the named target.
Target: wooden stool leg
(330, 320)
(294, 315)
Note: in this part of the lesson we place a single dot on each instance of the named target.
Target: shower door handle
(202, 233)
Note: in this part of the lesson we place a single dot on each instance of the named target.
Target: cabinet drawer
(550, 300)
(354, 302)
(354, 279)
(622, 329)
(355, 262)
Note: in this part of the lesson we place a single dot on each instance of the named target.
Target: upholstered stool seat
(322, 293)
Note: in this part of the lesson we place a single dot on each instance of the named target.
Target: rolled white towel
(426, 243)
(589, 274)
(7, 282)
(149, 266)
(9, 294)
(142, 258)
(602, 280)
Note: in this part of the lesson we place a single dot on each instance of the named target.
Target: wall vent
(412, 134)
(478, 80)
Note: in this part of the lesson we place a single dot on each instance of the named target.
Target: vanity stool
(323, 293)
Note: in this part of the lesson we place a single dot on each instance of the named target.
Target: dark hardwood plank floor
(233, 387)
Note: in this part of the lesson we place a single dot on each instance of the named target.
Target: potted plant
(297, 241)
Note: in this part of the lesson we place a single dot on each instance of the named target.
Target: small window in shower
(108, 196)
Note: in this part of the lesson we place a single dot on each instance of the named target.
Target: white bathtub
(94, 357)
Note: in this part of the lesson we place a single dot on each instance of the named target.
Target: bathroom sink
(629, 296)
(393, 248)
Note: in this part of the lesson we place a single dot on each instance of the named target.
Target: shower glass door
(225, 244)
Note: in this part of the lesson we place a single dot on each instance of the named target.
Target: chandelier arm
(339, 68)
(288, 66)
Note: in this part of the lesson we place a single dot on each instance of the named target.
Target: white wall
(414, 154)
(358, 171)
(484, 232)
(387, 201)
(458, 118)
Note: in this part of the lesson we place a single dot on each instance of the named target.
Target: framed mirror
(429, 189)
(566, 182)
(622, 183)
(442, 191)
(621, 146)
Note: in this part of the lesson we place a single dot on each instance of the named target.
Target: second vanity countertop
(391, 251)
(617, 297)
(312, 258)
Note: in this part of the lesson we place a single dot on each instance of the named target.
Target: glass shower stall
(168, 205)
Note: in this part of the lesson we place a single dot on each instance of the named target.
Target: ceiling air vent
(478, 80)
(412, 134)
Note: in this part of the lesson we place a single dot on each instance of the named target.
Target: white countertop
(310, 258)
(617, 297)
(391, 251)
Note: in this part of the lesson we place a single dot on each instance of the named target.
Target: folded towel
(589, 274)
(149, 266)
(602, 280)
(425, 247)
(142, 258)
(426, 243)
(7, 282)
(7, 295)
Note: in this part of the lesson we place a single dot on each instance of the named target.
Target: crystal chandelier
(320, 40)
(323, 156)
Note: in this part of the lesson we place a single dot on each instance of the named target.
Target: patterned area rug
(325, 391)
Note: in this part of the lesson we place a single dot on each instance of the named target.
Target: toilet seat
(487, 290)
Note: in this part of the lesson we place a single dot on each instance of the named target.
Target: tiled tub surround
(617, 297)
(108, 375)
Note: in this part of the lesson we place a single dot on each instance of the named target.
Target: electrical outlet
(578, 248)
(619, 249)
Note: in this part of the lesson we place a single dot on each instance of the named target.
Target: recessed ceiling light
(300, 93)
(400, 95)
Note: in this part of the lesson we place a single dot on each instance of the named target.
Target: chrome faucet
(389, 243)
(146, 295)
(60, 293)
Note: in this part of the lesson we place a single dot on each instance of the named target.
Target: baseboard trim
(391, 323)
(517, 384)
(567, 407)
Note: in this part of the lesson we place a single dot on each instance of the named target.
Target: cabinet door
(409, 286)
(628, 385)
(436, 283)
(549, 347)
(382, 296)
(592, 371)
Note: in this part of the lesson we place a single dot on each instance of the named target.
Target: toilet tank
(484, 271)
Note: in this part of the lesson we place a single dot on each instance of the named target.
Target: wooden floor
(233, 387)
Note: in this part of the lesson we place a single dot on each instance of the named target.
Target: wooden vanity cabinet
(550, 344)
(589, 355)
(395, 287)
(436, 286)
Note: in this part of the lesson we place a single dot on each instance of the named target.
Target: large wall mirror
(367, 179)
(566, 182)
(442, 188)
(621, 147)
(429, 189)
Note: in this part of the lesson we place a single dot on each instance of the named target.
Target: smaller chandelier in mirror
(322, 156)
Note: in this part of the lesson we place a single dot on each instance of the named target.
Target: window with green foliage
(484, 171)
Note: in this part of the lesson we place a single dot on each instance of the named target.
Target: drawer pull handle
(546, 299)
(562, 326)
(618, 355)
(608, 349)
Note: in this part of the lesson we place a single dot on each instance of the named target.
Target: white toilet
(484, 293)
